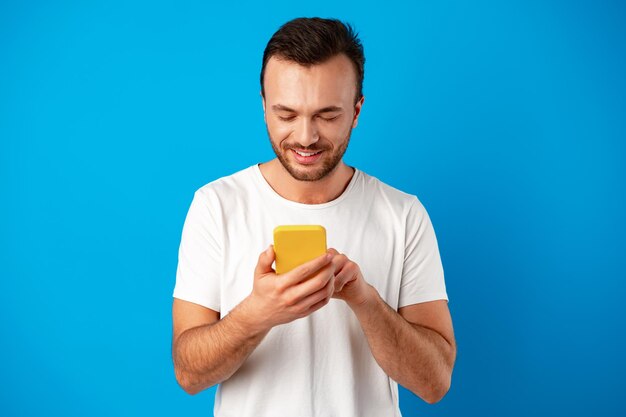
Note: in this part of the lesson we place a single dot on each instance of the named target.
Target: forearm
(207, 355)
(416, 357)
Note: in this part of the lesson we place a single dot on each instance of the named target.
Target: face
(311, 110)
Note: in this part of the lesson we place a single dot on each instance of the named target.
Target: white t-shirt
(320, 365)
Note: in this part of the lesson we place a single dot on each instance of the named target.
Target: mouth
(306, 158)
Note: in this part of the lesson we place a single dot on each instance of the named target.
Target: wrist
(249, 319)
(364, 304)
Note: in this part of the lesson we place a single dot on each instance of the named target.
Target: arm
(207, 350)
(414, 346)
(416, 355)
(208, 354)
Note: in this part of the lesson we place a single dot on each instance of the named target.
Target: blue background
(506, 120)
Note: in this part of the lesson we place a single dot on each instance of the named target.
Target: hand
(350, 285)
(278, 299)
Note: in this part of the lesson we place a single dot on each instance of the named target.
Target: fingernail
(329, 256)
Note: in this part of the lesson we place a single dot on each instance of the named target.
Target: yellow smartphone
(297, 244)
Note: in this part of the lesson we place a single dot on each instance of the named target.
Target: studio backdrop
(506, 120)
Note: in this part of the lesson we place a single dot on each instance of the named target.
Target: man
(334, 336)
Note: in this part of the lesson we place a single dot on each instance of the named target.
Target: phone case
(297, 244)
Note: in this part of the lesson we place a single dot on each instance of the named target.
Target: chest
(370, 237)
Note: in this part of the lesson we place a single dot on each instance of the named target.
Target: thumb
(266, 258)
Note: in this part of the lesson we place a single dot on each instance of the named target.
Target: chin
(306, 175)
(315, 172)
(310, 173)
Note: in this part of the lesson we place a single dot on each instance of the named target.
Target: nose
(307, 133)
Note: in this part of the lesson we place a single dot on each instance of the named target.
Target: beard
(327, 163)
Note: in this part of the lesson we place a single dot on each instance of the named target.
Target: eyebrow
(327, 109)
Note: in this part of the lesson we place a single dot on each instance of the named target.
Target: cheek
(334, 131)
(278, 131)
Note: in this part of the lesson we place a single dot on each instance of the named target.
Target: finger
(339, 260)
(264, 265)
(313, 283)
(347, 274)
(305, 270)
(333, 251)
(316, 306)
(318, 296)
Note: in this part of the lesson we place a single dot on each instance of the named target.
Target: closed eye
(291, 118)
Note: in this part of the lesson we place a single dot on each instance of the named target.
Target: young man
(336, 335)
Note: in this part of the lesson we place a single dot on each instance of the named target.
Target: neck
(307, 192)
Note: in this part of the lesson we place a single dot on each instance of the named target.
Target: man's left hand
(350, 285)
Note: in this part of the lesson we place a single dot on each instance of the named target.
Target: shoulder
(387, 195)
(227, 187)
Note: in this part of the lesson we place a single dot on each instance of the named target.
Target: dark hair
(313, 40)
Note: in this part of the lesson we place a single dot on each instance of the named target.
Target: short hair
(313, 40)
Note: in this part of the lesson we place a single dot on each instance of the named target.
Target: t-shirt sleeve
(422, 273)
(200, 255)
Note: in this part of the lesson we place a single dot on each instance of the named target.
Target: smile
(306, 154)
(306, 158)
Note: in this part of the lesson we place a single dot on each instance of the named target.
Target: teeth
(306, 154)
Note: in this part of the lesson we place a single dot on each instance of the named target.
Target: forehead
(331, 82)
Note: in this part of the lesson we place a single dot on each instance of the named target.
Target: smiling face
(310, 110)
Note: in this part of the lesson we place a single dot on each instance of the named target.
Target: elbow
(437, 395)
(440, 388)
(183, 382)
(190, 390)
(437, 391)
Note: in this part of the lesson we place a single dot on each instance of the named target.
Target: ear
(263, 103)
(357, 111)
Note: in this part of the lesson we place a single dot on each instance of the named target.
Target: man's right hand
(278, 299)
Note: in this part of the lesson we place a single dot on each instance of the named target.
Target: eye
(287, 119)
(330, 119)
